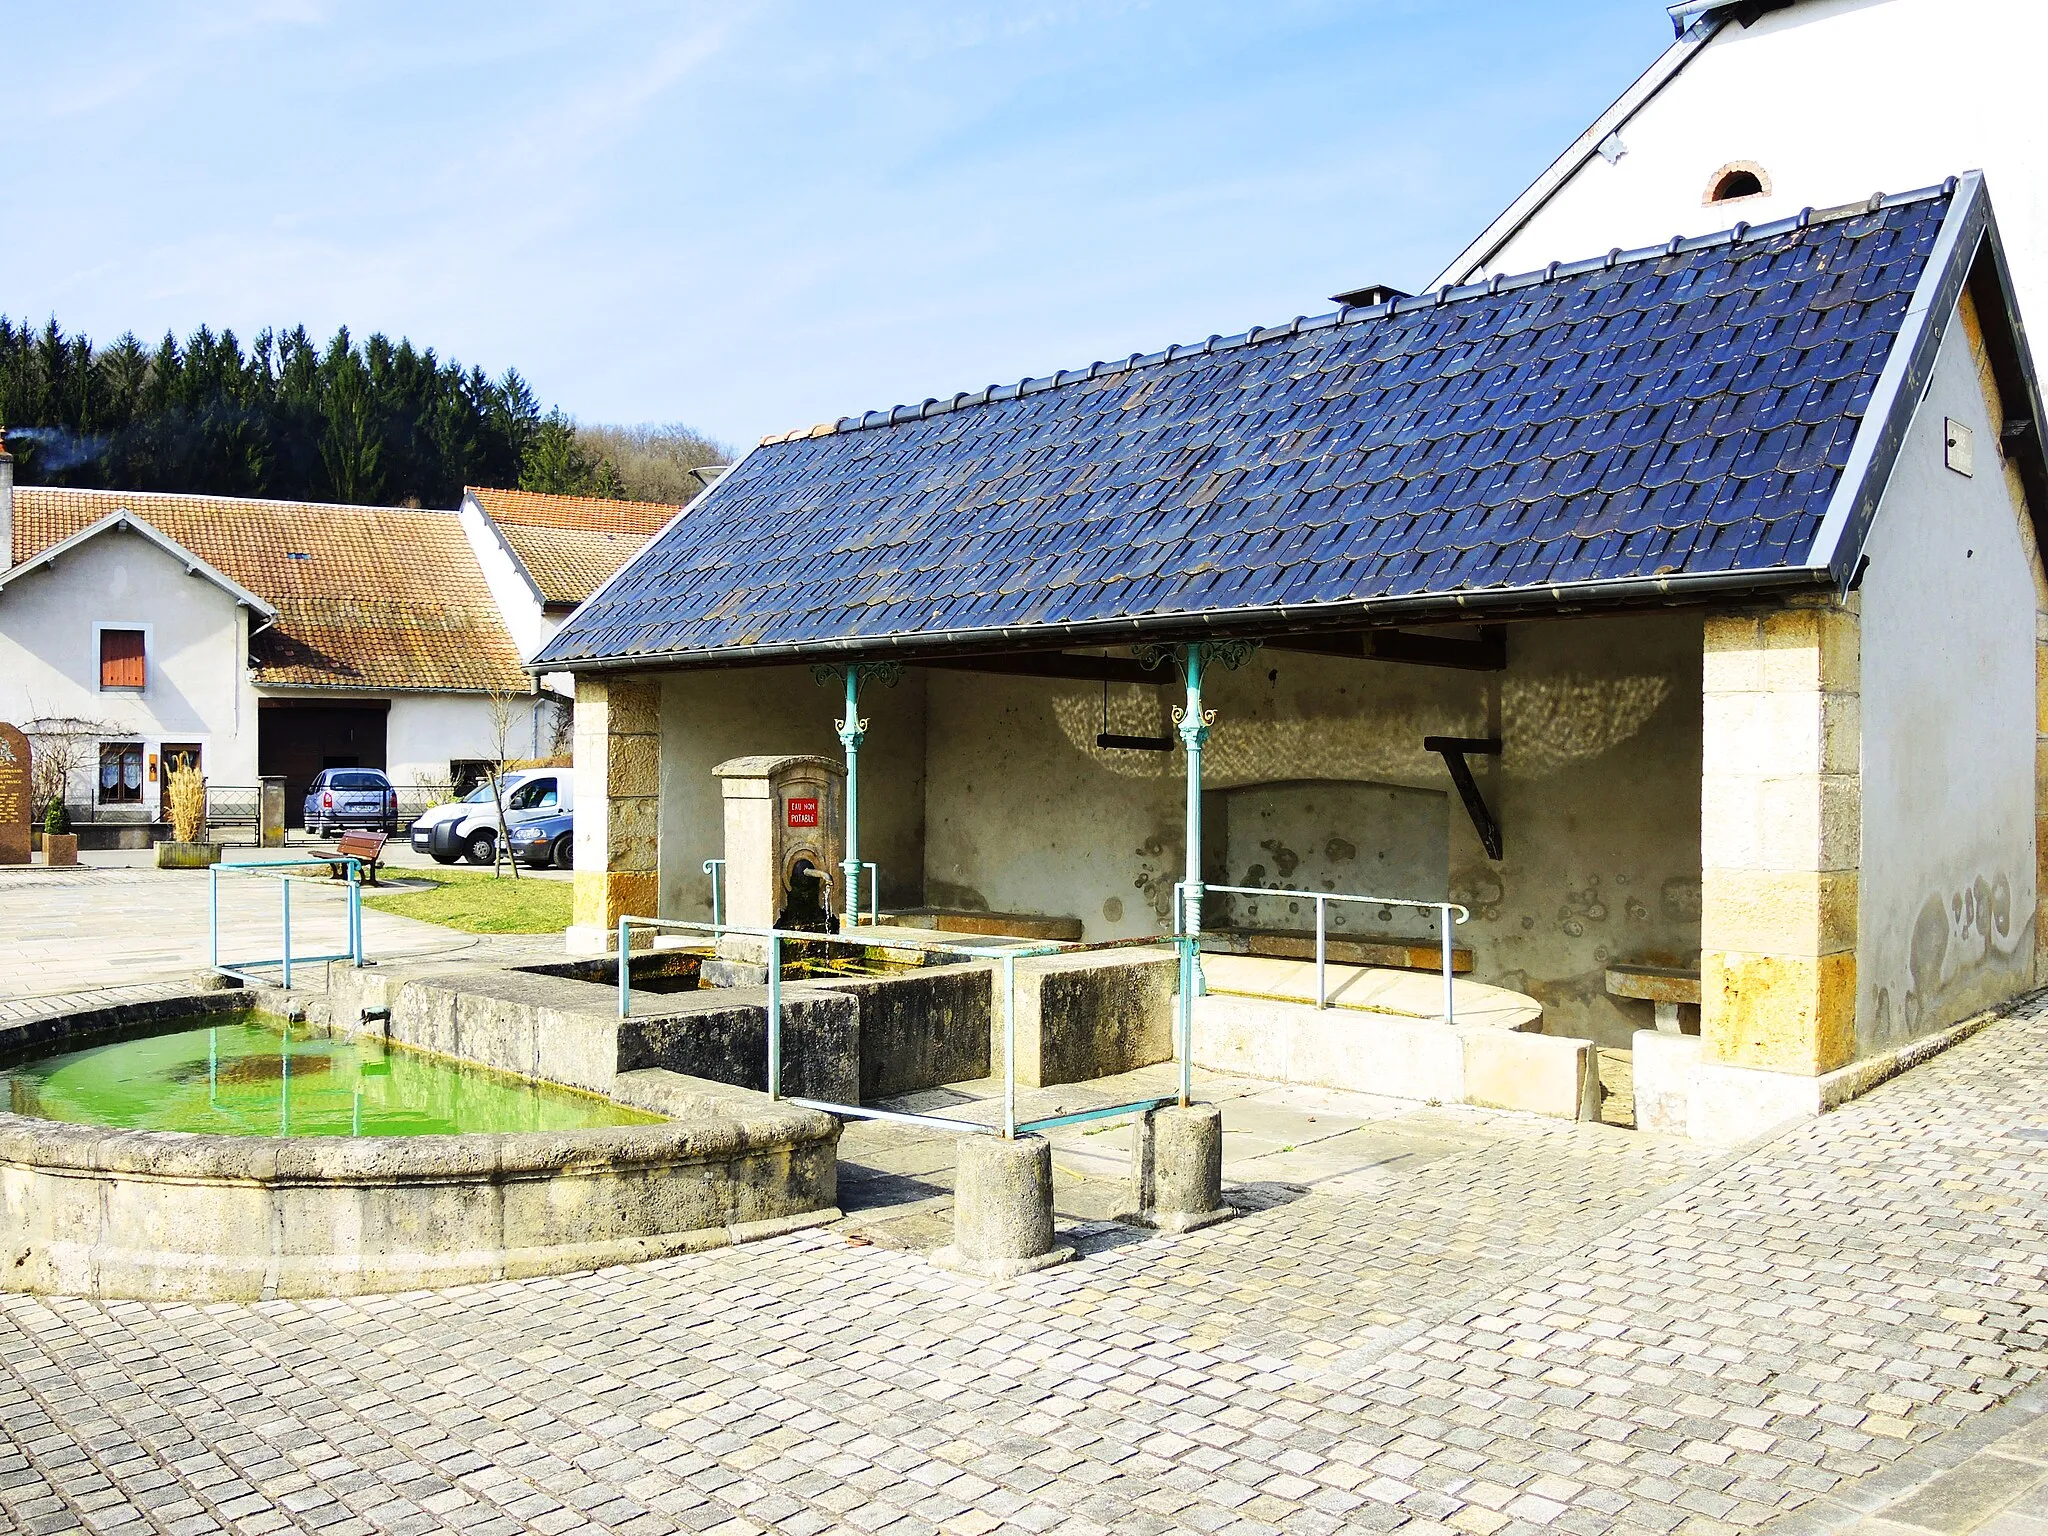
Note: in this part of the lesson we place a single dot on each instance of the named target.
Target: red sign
(803, 810)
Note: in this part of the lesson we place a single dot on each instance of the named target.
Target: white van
(468, 829)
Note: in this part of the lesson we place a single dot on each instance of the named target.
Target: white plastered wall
(1946, 898)
(197, 681)
(425, 732)
(1835, 100)
(708, 717)
(1597, 792)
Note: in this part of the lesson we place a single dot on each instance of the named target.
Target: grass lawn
(478, 902)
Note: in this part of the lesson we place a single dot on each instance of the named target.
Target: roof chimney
(6, 503)
(1366, 297)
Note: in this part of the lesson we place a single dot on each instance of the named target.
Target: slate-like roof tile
(1681, 411)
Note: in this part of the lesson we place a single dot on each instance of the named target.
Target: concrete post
(618, 790)
(1177, 1168)
(1002, 1209)
(1780, 839)
(270, 810)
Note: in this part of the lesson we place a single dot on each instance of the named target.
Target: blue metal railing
(1005, 958)
(1443, 909)
(282, 870)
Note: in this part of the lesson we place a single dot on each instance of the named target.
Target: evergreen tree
(284, 417)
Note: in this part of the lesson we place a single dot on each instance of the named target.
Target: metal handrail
(1443, 909)
(1006, 957)
(715, 869)
(281, 868)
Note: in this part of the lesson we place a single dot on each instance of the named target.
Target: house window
(121, 773)
(1737, 180)
(123, 664)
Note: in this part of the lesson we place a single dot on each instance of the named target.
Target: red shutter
(121, 663)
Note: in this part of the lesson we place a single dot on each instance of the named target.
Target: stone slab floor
(1426, 1320)
(102, 928)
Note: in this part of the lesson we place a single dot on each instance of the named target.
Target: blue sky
(752, 216)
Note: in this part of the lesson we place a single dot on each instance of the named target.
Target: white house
(542, 555)
(1763, 107)
(279, 638)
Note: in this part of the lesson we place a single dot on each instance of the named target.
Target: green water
(246, 1078)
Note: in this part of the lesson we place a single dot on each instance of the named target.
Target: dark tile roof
(1682, 411)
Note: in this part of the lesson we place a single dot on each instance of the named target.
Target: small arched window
(1737, 180)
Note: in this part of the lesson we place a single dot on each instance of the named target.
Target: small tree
(61, 747)
(503, 704)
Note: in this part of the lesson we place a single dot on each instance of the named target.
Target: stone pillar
(270, 809)
(618, 798)
(1002, 1209)
(1780, 839)
(1177, 1167)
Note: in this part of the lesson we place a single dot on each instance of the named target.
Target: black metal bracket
(1452, 750)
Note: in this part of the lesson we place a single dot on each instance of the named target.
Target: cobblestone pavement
(1499, 1325)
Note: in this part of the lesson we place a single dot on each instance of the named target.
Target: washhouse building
(1674, 610)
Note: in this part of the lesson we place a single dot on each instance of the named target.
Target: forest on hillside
(377, 422)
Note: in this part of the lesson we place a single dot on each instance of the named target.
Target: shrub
(57, 816)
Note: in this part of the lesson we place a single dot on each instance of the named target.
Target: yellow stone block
(1733, 661)
(1841, 733)
(603, 896)
(634, 706)
(633, 833)
(1778, 912)
(1779, 1013)
(634, 767)
(1812, 647)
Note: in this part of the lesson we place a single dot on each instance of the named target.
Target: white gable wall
(1946, 923)
(1835, 100)
(198, 687)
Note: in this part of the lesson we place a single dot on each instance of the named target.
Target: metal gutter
(1902, 382)
(1516, 216)
(1435, 608)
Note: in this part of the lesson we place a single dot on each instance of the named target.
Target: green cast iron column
(852, 730)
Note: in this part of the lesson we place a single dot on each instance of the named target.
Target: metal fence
(1322, 899)
(1005, 959)
(286, 871)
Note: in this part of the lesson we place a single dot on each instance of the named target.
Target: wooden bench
(365, 847)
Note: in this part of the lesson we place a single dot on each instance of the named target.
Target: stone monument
(14, 796)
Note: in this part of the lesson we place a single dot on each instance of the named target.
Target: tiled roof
(385, 598)
(1684, 411)
(595, 514)
(568, 564)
